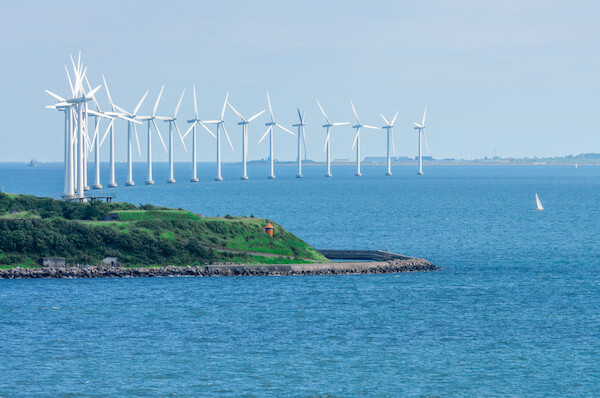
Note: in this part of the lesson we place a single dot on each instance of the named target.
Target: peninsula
(46, 238)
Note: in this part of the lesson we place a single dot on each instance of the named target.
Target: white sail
(538, 202)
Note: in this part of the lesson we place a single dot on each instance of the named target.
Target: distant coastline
(332, 268)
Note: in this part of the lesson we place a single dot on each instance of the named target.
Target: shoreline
(332, 268)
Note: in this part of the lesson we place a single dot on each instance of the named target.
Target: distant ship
(32, 162)
(538, 203)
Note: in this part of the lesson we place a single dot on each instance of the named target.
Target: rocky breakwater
(379, 267)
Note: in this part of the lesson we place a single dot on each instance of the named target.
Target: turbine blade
(356, 137)
(424, 113)
(70, 82)
(195, 103)
(236, 112)
(370, 127)
(418, 125)
(355, 114)
(56, 96)
(227, 135)
(340, 124)
(270, 109)
(257, 115)
(188, 130)
(122, 110)
(112, 122)
(178, 105)
(327, 139)
(426, 144)
(284, 129)
(304, 140)
(137, 139)
(87, 82)
(91, 93)
(299, 115)
(157, 100)
(159, 135)
(112, 106)
(207, 129)
(265, 134)
(180, 136)
(393, 144)
(224, 106)
(384, 119)
(137, 108)
(394, 119)
(323, 112)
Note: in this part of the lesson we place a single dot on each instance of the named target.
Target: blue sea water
(514, 312)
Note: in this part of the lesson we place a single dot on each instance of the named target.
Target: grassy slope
(33, 227)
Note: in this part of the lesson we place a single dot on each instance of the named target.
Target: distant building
(341, 160)
(425, 158)
(53, 262)
(111, 262)
(375, 159)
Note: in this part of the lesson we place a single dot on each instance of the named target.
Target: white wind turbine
(221, 123)
(111, 129)
(152, 119)
(421, 130)
(173, 121)
(193, 130)
(301, 136)
(272, 124)
(390, 137)
(328, 125)
(244, 123)
(131, 122)
(81, 102)
(356, 143)
(96, 138)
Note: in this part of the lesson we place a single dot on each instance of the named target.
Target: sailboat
(538, 203)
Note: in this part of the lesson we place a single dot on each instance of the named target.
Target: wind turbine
(421, 130)
(301, 135)
(152, 119)
(244, 123)
(356, 143)
(220, 123)
(111, 129)
(173, 121)
(272, 124)
(81, 102)
(328, 125)
(193, 129)
(390, 137)
(131, 122)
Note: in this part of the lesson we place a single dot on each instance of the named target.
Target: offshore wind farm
(81, 139)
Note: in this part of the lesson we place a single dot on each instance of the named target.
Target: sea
(515, 310)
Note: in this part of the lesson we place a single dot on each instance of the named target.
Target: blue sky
(517, 77)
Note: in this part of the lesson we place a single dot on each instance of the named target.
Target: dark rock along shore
(393, 266)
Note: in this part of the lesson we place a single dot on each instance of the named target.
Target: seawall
(379, 267)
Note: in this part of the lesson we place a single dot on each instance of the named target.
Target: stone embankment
(380, 267)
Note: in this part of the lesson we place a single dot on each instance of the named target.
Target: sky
(512, 78)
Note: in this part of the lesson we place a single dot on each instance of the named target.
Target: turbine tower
(421, 130)
(152, 118)
(244, 123)
(390, 137)
(131, 122)
(193, 129)
(272, 124)
(173, 121)
(327, 149)
(221, 123)
(301, 135)
(356, 143)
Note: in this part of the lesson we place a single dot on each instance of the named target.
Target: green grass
(144, 235)
(146, 215)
